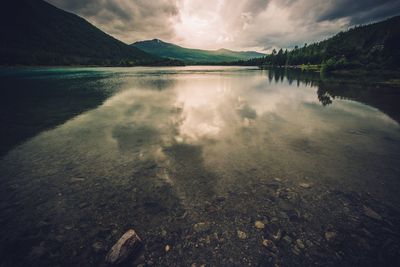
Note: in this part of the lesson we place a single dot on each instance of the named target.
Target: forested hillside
(34, 32)
(369, 46)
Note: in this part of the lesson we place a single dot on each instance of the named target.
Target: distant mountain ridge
(193, 56)
(33, 32)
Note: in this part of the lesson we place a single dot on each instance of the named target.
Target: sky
(259, 25)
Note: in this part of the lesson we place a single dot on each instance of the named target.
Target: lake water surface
(193, 157)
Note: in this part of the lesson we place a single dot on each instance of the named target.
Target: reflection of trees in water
(383, 97)
(292, 75)
(324, 97)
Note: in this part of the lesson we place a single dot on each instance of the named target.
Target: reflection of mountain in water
(31, 105)
(381, 96)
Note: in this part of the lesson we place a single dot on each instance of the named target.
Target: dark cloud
(127, 20)
(361, 11)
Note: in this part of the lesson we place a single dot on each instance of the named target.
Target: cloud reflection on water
(221, 127)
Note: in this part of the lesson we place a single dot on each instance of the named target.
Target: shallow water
(160, 150)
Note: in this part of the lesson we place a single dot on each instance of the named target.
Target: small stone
(277, 236)
(293, 215)
(201, 227)
(83, 205)
(259, 225)
(167, 248)
(288, 239)
(242, 235)
(128, 245)
(211, 208)
(77, 179)
(283, 215)
(163, 233)
(329, 236)
(305, 185)
(300, 244)
(269, 245)
(220, 199)
(372, 214)
(37, 251)
(97, 246)
(296, 250)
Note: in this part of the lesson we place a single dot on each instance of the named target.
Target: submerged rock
(97, 246)
(269, 245)
(300, 244)
(241, 234)
(127, 246)
(37, 252)
(287, 239)
(259, 225)
(305, 185)
(220, 199)
(76, 180)
(372, 214)
(329, 236)
(201, 227)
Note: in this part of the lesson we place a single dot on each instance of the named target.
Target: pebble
(37, 252)
(300, 244)
(305, 185)
(220, 199)
(242, 235)
(167, 248)
(76, 179)
(269, 245)
(277, 236)
(128, 245)
(259, 225)
(372, 214)
(296, 250)
(330, 236)
(97, 246)
(288, 239)
(201, 227)
(83, 205)
(163, 233)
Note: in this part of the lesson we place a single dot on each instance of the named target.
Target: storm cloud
(236, 24)
(127, 20)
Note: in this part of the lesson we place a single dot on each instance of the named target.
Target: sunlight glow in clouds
(234, 24)
(237, 25)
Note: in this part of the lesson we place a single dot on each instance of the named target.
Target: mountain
(33, 32)
(193, 56)
(369, 46)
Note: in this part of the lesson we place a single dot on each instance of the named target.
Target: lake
(209, 161)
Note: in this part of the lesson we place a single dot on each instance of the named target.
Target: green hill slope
(34, 32)
(193, 56)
